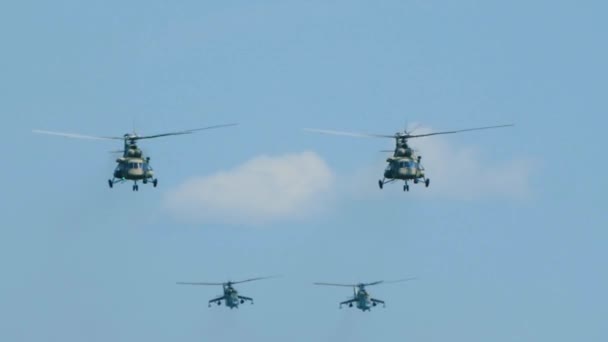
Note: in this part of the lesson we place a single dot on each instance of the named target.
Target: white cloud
(265, 188)
(464, 172)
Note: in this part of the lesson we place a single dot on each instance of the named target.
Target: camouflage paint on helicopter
(133, 165)
(405, 164)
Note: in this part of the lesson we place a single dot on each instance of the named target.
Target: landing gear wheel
(145, 181)
(155, 182)
(406, 187)
(427, 182)
(135, 187)
(380, 184)
(110, 183)
(416, 181)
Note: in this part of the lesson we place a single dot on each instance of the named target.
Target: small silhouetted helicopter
(133, 165)
(231, 296)
(405, 163)
(361, 298)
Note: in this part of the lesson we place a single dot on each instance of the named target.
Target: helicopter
(361, 298)
(231, 296)
(405, 164)
(133, 165)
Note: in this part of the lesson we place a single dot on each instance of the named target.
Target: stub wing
(378, 301)
(246, 298)
(347, 302)
(217, 300)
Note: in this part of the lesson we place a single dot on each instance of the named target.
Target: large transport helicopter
(231, 297)
(133, 165)
(361, 298)
(405, 164)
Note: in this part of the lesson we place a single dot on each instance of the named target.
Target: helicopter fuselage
(133, 169)
(403, 169)
(362, 300)
(231, 297)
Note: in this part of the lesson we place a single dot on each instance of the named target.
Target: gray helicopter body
(230, 297)
(361, 299)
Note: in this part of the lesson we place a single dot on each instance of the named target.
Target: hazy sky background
(508, 243)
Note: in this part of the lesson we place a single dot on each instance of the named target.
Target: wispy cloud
(464, 173)
(263, 189)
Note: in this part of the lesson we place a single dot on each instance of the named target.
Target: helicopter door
(390, 170)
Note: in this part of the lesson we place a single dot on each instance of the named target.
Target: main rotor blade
(75, 135)
(213, 127)
(348, 134)
(205, 284)
(252, 279)
(332, 284)
(457, 131)
(400, 280)
(189, 131)
(374, 283)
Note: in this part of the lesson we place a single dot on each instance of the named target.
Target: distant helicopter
(231, 296)
(361, 298)
(405, 164)
(133, 165)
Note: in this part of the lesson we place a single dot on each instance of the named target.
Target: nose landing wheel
(380, 184)
(406, 187)
(155, 182)
(110, 183)
(427, 182)
(135, 187)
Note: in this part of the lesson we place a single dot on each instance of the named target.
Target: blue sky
(508, 243)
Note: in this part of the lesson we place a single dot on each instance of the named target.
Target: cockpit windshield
(136, 165)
